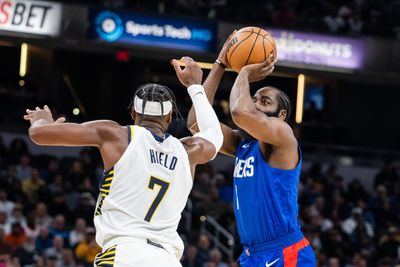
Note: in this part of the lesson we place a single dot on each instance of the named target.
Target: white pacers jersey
(145, 193)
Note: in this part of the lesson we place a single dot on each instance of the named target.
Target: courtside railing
(216, 233)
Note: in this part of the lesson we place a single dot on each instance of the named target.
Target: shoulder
(284, 133)
(107, 127)
(103, 124)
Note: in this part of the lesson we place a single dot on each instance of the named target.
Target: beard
(272, 114)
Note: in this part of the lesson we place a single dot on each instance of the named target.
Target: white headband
(152, 108)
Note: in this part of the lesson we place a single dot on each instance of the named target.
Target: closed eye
(266, 100)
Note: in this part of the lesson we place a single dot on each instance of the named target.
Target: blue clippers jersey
(265, 198)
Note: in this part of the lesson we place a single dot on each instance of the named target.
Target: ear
(169, 118)
(282, 114)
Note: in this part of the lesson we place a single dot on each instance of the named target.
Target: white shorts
(138, 253)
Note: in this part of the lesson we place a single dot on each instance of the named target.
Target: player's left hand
(41, 114)
(259, 71)
(222, 54)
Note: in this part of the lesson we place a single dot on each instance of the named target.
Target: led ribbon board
(316, 49)
(130, 28)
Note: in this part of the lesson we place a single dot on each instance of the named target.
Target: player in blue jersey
(267, 169)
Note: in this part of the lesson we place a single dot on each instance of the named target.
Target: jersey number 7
(157, 200)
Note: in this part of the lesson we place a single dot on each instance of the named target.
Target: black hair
(284, 103)
(156, 93)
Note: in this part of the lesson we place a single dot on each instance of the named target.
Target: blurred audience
(45, 221)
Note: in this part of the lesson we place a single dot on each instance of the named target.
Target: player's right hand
(41, 114)
(222, 54)
(190, 74)
(259, 71)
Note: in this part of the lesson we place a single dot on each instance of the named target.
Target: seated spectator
(52, 260)
(389, 244)
(87, 249)
(78, 233)
(44, 240)
(333, 262)
(17, 215)
(216, 258)
(190, 258)
(67, 259)
(6, 205)
(213, 206)
(17, 237)
(335, 244)
(57, 184)
(203, 245)
(59, 206)
(41, 215)
(5, 224)
(356, 220)
(52, 170)
(59, 228)
(86, 208)
(5, 248)
(26, 252)
(76, 174)
(56, 250)
(23, 169)
(201, 187)
(31, 228)
(72, 196)
(32, 185)
(356, 191)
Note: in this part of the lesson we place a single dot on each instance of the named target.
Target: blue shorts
(299, 254)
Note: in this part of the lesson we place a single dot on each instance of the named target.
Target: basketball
(250, 45)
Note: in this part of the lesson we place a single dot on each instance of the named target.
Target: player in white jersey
(149, 173)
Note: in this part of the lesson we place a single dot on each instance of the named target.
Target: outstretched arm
(45, 131)
(108, 136)
(245, 115)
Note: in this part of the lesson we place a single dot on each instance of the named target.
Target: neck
(155, 127)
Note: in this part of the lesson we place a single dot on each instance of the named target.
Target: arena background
(85, 59)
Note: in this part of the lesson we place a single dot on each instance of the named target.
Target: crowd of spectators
(353, 17)
(47, 205)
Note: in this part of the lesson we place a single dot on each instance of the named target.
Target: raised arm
(247, 116)
(204, 145)
(231, 137)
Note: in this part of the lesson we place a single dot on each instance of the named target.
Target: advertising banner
(34, 17)
(130, 28)
(317, 49)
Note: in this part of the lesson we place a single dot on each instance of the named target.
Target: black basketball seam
(239, 44)
(272, 45)
(251, 50)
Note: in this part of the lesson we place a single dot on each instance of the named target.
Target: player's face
(266, 101)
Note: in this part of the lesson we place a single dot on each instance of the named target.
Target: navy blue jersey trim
(129, 134)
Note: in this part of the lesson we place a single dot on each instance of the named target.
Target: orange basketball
(250, 45)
